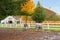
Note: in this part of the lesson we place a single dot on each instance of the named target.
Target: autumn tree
(29, 7)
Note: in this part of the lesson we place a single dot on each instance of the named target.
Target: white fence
(51, 25)
(14, 25)
(45, 25)
(9, 25)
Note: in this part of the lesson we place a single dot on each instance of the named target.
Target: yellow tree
(29, 7)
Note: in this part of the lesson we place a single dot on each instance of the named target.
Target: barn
(10, 20)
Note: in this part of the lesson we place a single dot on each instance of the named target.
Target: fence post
(6, 25)
(48, 26)
(16, 25)
(2, 25)
(10, 25)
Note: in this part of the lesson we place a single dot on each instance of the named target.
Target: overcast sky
(53, 4)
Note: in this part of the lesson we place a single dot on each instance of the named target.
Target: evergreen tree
(39, 15)
(10, 7)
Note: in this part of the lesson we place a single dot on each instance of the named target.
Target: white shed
(10, 19)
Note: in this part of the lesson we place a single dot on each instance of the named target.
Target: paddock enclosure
(16, 32)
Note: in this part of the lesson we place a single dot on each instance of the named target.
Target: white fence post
(6, 25)
(10, 25)
(48, 26)
(16, 25)
(2, 25)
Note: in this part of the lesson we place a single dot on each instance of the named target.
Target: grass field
(51, 27)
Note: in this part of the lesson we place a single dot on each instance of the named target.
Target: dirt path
(14, 34)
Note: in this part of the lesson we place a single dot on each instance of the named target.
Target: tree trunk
(26, 19)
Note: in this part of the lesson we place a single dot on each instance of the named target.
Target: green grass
(53, 29)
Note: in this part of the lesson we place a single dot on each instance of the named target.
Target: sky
(53, 4)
